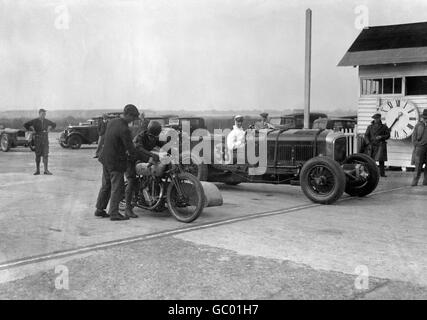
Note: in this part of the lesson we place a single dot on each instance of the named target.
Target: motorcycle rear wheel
(188, 206)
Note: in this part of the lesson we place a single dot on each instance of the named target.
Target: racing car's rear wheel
(4, 143)
(367, 177)
(322, 180)
(75, 142)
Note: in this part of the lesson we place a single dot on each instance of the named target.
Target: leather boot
(101, 213)
(118, 217)
(129, 213)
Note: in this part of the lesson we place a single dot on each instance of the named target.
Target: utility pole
(307, 77)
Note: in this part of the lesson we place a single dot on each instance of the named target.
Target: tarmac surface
(265, 242)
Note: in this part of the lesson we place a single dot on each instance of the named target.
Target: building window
(381, 86)
(416, 86)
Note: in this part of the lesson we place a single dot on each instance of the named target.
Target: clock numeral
(405, 133)
(398, 103)
(412, 110)
(410, 126)
(412, 119)
(405, 104)
(396, 134)
(390, 104)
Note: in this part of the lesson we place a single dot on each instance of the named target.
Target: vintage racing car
(316, 160)
(11, 138)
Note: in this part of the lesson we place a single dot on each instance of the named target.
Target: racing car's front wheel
(322, 180)
(363, 175)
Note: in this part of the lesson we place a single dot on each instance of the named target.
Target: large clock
(400, 116)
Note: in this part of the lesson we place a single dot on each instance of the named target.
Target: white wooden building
(392, 64)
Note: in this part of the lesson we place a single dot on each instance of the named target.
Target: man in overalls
(41, 126)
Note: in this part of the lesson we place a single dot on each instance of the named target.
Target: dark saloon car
(295, 120)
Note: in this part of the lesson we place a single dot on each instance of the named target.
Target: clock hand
(397, 119)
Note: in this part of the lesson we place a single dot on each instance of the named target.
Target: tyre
(369, 175)
(62, 140)
(322, 180)
(187, 203)
(74, 142)
(4, 143)
(196, 166)
(64, 145)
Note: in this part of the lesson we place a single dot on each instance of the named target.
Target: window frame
(370, 79)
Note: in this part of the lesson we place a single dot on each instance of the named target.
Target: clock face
(400, 116)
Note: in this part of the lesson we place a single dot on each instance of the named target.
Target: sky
(183, 54)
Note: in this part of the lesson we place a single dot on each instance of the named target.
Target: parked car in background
(11, 138)
(336, 124)
(84, 133)
(294, 120)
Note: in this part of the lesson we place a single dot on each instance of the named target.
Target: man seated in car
(264, 123)
(145, 142)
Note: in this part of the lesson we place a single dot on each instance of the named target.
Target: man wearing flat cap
(41, 126)
(419, 140)
(376, 136)
(264, 123)
(118, 146)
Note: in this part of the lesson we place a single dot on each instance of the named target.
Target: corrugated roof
(388, 44)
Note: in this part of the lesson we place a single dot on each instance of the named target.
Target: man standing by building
(376, 136)
(102, 127)
(41, 126)
(118, 146)
(419, 140)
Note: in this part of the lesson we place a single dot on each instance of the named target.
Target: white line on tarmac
(113, 243)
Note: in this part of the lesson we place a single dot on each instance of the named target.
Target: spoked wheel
(4, 143)
(185, 197)
(322, 180)
(363, 175)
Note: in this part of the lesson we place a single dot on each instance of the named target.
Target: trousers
(112, 190)
(420, 160)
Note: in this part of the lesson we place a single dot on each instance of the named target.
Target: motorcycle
(159, 184)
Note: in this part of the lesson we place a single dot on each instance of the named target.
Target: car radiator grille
(291, 154)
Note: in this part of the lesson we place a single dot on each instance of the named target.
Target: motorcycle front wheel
(185, 197)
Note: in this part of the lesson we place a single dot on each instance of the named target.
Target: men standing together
(118, 146)
(41, 126)
(419, 140)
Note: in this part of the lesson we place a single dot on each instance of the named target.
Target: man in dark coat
(102, 127)
(118, 146)
(41, 126)
(145, 142)
(375, 138)
(419, 140)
